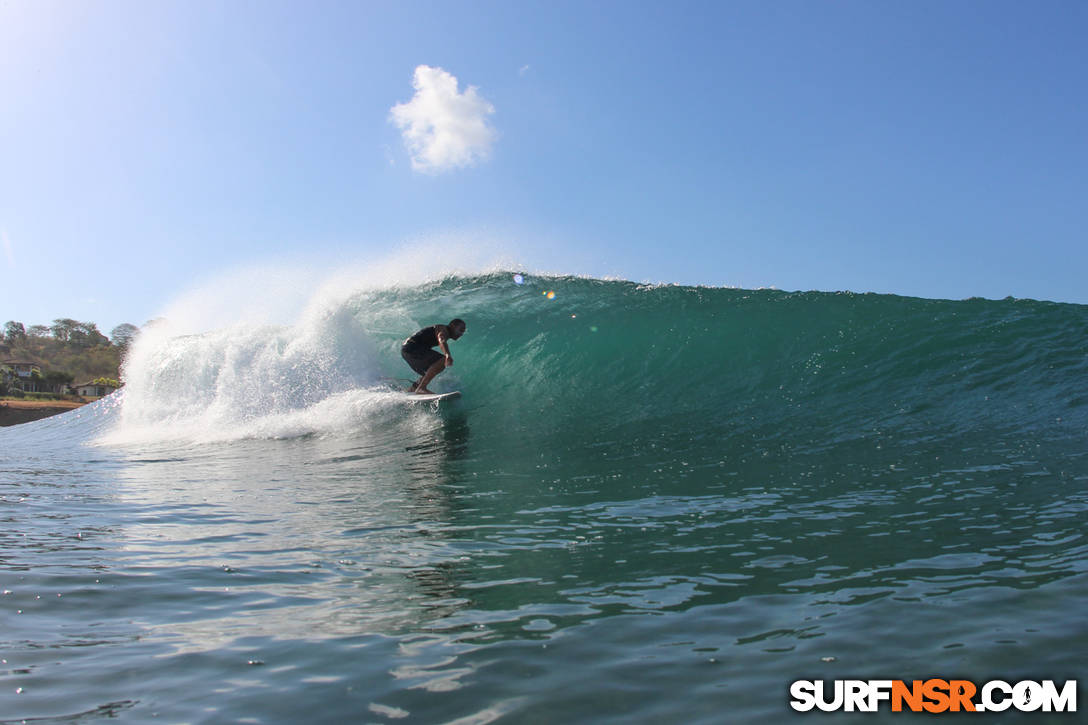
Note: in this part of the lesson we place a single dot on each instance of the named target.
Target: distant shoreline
(14, 412)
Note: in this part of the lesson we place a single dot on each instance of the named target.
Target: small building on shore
(20, 375)
(93, 390)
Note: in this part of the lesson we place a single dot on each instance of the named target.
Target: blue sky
(936, 149)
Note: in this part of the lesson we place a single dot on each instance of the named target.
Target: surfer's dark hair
(457, 322)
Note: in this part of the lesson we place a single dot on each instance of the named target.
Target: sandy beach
(14, 412)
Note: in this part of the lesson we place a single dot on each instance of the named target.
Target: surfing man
(418, 351)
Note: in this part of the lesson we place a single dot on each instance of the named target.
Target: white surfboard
(433, 398)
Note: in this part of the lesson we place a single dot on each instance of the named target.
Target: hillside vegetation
(67, 350)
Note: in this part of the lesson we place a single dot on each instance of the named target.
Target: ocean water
(651, 504)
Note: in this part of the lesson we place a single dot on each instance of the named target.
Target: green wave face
(579, 359)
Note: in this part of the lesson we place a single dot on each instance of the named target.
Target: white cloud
(443, 129)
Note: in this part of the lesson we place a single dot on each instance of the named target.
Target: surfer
(418, 351)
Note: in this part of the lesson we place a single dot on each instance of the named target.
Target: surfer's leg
(435, 369)
(422, 362)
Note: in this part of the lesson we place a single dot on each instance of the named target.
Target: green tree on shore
(14, 332)
(123, 335)
(62, 328)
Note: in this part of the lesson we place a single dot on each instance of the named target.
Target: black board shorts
(420, 358)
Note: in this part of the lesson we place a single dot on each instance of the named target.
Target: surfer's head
(457, 327)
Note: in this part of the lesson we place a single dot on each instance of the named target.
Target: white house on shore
(92, 390)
